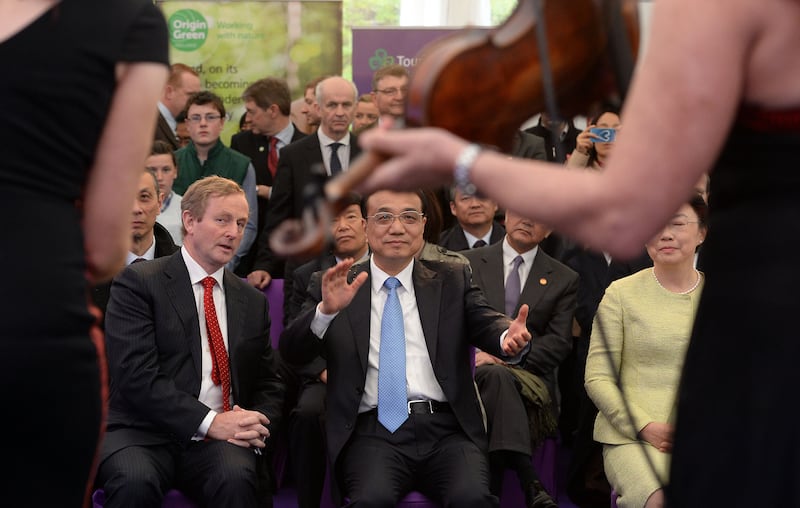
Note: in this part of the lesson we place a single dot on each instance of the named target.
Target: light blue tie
(392, 394)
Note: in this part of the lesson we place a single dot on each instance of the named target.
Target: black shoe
(537, 497)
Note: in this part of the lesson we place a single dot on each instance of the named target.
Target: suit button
(359, 390)
(348, 426)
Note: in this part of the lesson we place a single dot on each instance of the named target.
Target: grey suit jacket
(551, 292)
(454, 315)
(154, 354)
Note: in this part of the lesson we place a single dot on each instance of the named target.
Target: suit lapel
(537, 281)
(492, 279)
(358, 313)
(181, 294)
(428, 290)
(235, 304)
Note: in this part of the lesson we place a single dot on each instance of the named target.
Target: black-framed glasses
(408, 218)
(210, 117)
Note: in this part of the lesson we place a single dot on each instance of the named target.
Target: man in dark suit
(476, 226)
(149, 239)
(182, 82)
(193, 383)
(307, 161)
(559, 137)
(268, 104)
(409, 420)
(549, 289)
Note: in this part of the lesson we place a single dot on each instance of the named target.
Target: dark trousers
(307, 454)
(506, 415)
(429, 453)
(211, 473)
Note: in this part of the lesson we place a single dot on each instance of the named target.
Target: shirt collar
(148, 255)
(509, 254)
(286, 134)
(196, 272)
(325, 140)
(167, 114)
(378, 276)
(471, 239)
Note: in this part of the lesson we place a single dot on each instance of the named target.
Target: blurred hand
(259, 279)
(337, 293)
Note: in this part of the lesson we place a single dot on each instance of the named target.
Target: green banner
(232, 44)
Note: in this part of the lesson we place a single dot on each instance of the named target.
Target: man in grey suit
(312, 159)
(437, 442)
(193, 383)
(549, 289)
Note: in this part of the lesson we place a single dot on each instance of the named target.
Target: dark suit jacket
(154, 355)
(295, 171)
(256, 146)
(550, 291)
(164, 133)
(454, 239)
(454, 315)
(164, 247)
(529, 146)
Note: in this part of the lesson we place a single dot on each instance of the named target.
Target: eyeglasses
(409, 218)
(210, 117)
(393, 91)
(680, 225)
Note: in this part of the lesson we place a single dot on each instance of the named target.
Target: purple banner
(375, 47)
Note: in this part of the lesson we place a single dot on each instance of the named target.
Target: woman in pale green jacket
(639, 340)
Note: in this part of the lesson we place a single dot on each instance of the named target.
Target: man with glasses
(402, 413)
(206, 155)
(390, 89)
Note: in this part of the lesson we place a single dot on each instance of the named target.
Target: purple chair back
(274, 294)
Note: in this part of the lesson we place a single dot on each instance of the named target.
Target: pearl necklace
(697, 283)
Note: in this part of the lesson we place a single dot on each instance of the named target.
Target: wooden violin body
(484, 84)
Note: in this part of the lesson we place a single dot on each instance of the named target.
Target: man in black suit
(183, 81)
(560, 138)
(307, 161)
(550, 290)
(149, 239)
(305, 422)
(193, 384)
(268, 104)
(476, 226)
(429, 435)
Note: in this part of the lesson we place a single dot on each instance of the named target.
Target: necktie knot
(479, 243)
(391, 283)
(516, 262)
(513, 287)
(273, 143)
(208, 283)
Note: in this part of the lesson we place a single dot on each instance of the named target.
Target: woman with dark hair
(639, 340)
(590, 151)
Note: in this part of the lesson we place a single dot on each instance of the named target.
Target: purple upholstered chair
(613, 498)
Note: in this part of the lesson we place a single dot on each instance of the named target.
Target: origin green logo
(188, 30)
(380, 59)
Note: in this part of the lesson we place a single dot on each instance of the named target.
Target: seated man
(149, 239)
(194, 389)
(402, 413)
(526, 391)
(306, 441)
(476, 226)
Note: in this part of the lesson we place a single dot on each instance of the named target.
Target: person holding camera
(596, 141)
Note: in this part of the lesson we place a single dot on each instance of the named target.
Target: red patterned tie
(272, 159)
(220, 371)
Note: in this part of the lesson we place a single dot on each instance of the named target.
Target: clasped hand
(241, 427)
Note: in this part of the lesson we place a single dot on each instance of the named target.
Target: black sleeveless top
(55, 94)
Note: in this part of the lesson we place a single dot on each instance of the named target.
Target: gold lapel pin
(542, 281)
(260, 148)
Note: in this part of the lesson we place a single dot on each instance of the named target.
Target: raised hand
(337, 293)
(518, 335)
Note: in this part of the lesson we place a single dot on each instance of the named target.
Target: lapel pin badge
(542, 281)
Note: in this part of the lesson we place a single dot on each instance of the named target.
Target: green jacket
(222, 161)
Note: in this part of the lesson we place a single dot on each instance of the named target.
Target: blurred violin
(558, 56)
